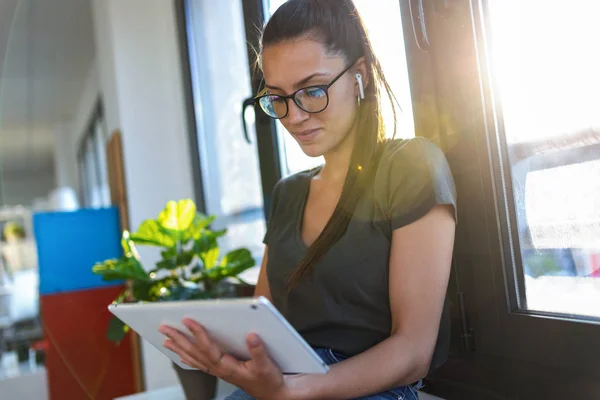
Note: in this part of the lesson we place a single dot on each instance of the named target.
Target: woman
(359, 250)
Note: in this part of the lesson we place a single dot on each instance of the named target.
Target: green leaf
(233, 264)
(207, 248)
(168, 263)
(169, 253)
(208, 240)
(120, 269)
(129, 249)
(151, 233)
(182, 259)
(185, 258)
(209, 258)
(121, 297)
(116, 330)
(201, 222)
(238, 259)
(196, 269)
(142, 290)
(177, 216)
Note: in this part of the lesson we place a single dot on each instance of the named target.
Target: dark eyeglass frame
(292, 96)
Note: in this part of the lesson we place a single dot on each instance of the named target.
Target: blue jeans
(409, 392)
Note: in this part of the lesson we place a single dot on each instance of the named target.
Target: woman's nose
(295, 113)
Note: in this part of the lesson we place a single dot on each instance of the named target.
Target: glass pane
(384, 25)
(83, 182)
(100, 150)
(548, 80)
(221, 82)
(91, 169)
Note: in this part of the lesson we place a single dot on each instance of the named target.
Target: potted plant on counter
(190, 268)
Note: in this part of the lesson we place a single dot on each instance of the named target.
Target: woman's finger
(184, 356)
(230, 369)
(227, 368)
(204, 352)
(209, 358)
(262, 362)
(213, 352)
(194, 364)
(194, 353)
(171, 345)
(181, 340)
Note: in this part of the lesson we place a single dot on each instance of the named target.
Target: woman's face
(292, 65)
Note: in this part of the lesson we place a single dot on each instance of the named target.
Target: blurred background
(111, 108)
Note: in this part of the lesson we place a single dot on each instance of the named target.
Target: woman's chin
(312, 150)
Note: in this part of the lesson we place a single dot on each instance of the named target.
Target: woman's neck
(337, 161)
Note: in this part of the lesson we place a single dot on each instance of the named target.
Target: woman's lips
(307, 135)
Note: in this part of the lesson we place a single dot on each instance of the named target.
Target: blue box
(70, 243)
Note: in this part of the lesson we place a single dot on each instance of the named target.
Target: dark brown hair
(337, 24)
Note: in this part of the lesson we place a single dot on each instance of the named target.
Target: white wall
(71, 141)
(32, 386)
(144, 81)
(68, 135)
(141, 84)
(105, 61)
(23, 188)
(86, 105)
(65, 160)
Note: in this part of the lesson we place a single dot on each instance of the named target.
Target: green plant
(189, 267)
(13, 231)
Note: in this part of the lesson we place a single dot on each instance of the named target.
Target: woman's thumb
(258, 352)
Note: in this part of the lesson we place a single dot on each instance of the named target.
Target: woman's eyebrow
(301, 81)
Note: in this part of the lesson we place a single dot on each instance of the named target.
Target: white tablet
(228, 322)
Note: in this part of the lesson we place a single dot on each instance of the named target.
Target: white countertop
(168, 393)
(176, 393)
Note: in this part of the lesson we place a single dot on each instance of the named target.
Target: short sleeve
(275, 198)
(413, 177)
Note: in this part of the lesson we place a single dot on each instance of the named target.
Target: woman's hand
(259, 377)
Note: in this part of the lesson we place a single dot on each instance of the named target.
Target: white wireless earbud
(361, 88)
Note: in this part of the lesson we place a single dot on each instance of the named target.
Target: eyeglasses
(312, 99)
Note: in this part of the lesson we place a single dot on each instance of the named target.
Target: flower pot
(197, 385)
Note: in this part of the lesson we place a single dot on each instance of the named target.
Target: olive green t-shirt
(344, 305)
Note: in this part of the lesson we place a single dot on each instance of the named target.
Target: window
(510, 89)
(93, 168)
(229, 164)
(548, 84)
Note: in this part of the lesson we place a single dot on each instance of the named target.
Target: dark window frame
(183, 27)
(97, 114)
(498, 351)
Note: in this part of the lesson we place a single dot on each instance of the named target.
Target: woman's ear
(360, 67)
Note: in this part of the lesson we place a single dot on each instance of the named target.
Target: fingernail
(254, 340)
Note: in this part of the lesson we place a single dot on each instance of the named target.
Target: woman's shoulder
(296, 181)
(411, 152)
(414, 158)
(412, 176)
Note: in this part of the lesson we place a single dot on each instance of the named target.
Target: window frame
(183, 23)
(89, 139)
(497, 350)
(502, 177)
(538, 162)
